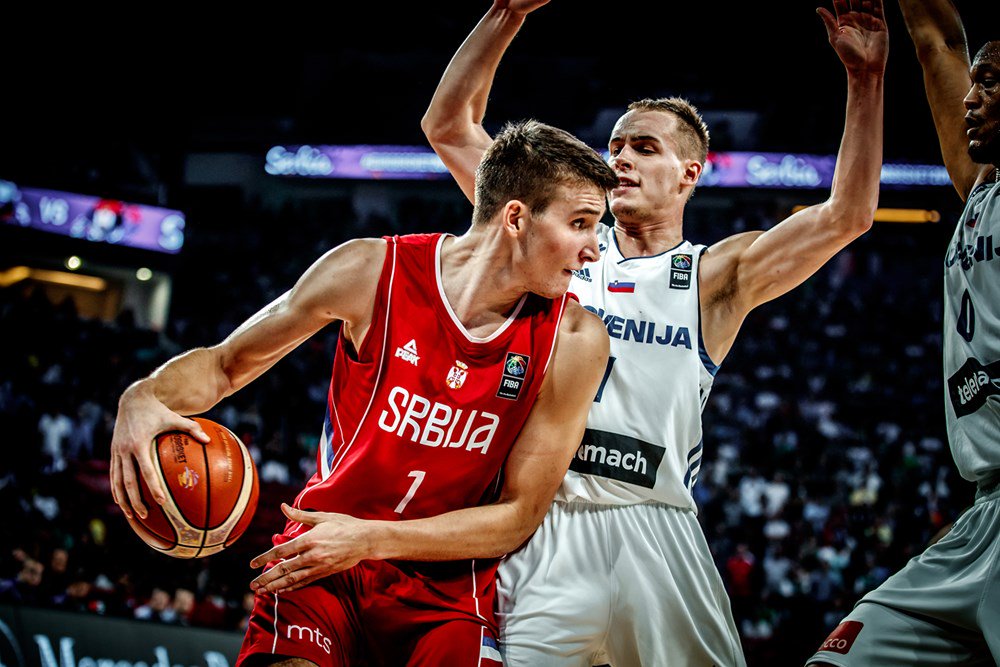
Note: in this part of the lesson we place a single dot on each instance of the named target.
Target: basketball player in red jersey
(461, 384)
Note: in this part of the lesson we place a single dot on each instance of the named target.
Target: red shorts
(380, 613)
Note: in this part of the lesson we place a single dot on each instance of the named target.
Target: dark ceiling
(106, 104)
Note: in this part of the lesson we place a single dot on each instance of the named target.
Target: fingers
(191, 427)
(841, 7)
(288, 573)
(829, 21)
(295, 514)
(277, 553)
(133, 494)
(117, 487)
(878, 10)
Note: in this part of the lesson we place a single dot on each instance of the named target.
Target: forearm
(461, 96)
(933, 25)
(489, 531)
(855, 189)
(188, 384)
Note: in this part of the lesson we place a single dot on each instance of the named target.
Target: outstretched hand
(141, 417)
(520, 6)
(858, 34)
(335, 543)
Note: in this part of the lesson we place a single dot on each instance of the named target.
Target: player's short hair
(693, 133)
(528, 161)
(989, 52)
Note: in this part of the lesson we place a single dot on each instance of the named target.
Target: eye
(579, 223)
(615, 150)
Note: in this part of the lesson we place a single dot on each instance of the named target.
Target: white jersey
(644, 437)
(972, 336)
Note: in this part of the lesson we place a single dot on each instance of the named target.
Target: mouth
(973, 124)
(624, 185)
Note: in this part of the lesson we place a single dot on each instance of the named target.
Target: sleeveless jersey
(420, 421)
(972, 336)
(644, 437)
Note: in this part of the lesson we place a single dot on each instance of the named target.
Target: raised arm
(532, 473)
(195, 381)
(453, 122)
(746, 270)
(939, 38)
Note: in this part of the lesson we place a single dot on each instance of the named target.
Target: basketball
(211, 493)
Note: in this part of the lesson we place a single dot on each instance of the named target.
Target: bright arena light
(144, 274)
(73, 263)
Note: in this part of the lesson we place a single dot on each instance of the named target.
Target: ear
(692, 172)
(513, 216)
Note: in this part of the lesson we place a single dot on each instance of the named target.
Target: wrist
(136, 391)
(380, 540)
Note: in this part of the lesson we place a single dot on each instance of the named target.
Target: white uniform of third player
(620, 570)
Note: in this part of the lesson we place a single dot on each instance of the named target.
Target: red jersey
(421, 419)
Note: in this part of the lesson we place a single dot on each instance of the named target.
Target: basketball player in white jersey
(619, 569)
(943, 607)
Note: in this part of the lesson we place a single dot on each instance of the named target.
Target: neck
(479, 279)
(645, 239)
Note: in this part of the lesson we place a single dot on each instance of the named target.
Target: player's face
(982, 107)
(562, 238)
(645, 157)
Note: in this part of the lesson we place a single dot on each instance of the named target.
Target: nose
(591, 251)
(620, 162)
(971, 100)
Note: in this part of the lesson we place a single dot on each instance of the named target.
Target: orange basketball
(211, 493)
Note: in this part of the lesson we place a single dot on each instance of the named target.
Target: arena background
(827, 463)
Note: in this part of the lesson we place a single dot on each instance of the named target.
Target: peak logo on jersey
(842, 639)
(515, 368)
(682, 262)
(680, 271)
(619, 287)
(457, 374)
(432, 424)
(971, 385)
(187, 478)
(409, 352)
(584, 275)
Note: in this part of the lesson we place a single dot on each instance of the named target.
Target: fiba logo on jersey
(515, 368)
(516, 365)
(680, 271)
(457, 374)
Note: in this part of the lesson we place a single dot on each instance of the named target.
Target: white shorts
(629, 585)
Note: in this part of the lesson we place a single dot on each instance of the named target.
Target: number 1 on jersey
(604, 381)
(418, 477)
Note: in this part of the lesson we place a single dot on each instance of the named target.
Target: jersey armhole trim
(706, 360)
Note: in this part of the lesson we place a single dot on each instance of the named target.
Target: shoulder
(582, 332)
(986, 177)
(730, 246)
(341, 283)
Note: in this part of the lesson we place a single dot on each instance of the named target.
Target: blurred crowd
(827, 466)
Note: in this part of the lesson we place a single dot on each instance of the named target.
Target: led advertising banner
(44, 638)
(92, 218)
(734, 169)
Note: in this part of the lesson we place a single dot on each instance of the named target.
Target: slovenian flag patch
(490, 652)
(618, 286)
